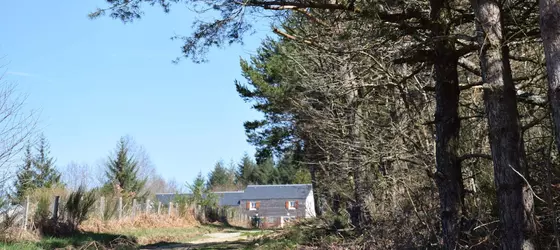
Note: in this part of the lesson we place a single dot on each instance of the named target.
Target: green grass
(20, 245)
(77, 240)
(151, 236)
(251, 234)
(154, 235)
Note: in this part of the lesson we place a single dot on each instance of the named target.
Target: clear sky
(96, 80)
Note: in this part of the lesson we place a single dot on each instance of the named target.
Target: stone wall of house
(274, 208)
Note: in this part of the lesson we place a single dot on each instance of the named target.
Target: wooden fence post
(159, 208)
(55, 207)
(133, 208)
(147, 206)
(26, 215)
(120, 208)
(102, 207)
(170, 208)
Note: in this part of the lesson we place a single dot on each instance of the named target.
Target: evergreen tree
(244, 175)
(46, 173)
(122, 172)
(267, 173)
(25, 177)
(291, 170)
(200, 193)
(220, 177)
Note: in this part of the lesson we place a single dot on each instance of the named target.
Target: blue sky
(96, 80)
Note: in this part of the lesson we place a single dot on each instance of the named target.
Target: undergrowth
(311, 234)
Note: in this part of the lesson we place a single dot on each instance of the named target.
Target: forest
(422, 123)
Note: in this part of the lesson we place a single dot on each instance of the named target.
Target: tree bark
(449, 177)
(515, 201)
(360, 214)
(550, 33)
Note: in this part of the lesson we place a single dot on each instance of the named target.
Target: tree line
(127, 172)
(286, 170)
(403, 110)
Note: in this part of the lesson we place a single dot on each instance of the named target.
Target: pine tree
(25, 177)
(200, 193)
(46, 173)
(122, 172)
(245, 171)
(220, 177)
(267, 173)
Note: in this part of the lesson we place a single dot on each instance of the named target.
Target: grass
(253, 234)
(138, 237)
(154, 235)
(78, 240)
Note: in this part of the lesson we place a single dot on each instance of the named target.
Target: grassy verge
(307, 234)
(154, 235)
(122, 239)
(82, 240)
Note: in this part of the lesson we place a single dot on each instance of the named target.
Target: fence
(119, 208)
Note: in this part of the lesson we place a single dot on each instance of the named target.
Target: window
(253, 205)
(292, 205)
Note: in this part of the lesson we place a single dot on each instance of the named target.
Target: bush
(42, 212)
(78, 206)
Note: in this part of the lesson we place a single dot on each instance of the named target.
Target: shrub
(42, 212)
(78, 206)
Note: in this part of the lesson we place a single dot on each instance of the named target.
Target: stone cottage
(276, 205)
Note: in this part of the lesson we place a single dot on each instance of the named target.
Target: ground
(200, 237)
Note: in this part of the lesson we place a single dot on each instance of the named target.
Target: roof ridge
(279, 185)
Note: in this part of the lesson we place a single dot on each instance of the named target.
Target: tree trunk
(550, 33)
(449, 177)
(360, 214)
(515, 201)
(313, 157)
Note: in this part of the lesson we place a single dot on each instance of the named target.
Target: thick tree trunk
(449, 177)
(515, 201)
(311, 155)
(360, 215)
(550, 32)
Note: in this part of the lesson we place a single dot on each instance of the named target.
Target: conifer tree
(46, 173)
(122, 172)
(267, 173)
(244, 174)
(25, 177)
(220, 177)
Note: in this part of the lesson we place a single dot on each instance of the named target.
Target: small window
(292, 205)
(253, 205)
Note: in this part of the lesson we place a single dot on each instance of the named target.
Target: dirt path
(220, 237)
(221, 240)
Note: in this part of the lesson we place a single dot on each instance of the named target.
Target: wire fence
(120, 208)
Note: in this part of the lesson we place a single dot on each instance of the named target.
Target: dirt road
(222, 240)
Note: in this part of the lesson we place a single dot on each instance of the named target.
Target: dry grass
(16, 234)
(143, 221)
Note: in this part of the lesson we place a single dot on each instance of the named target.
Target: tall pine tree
(46, 173)
(25, 177)
(221, 178)
(245, 173)
(122, 172)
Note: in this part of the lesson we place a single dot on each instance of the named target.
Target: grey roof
(253, 192)
(230, 198)
(166, 198)
(265, 192)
